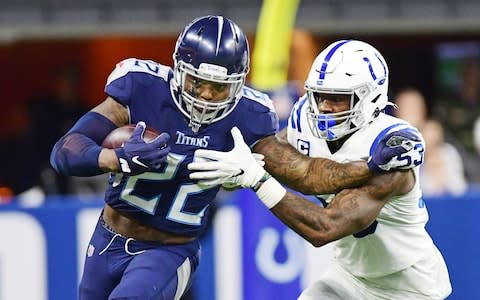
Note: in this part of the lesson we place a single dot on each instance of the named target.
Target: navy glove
(402, 149)
(137, 156)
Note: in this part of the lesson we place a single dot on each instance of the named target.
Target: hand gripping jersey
(397, 238)
(168, 200)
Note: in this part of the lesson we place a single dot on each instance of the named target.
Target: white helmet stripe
(219, 35)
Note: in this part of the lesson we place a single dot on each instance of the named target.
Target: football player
(382, 250)
(145, 245)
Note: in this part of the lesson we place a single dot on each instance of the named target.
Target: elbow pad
(76, 153)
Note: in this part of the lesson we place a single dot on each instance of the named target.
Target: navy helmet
(211, 48)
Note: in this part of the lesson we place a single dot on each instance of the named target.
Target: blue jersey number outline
(175, 213)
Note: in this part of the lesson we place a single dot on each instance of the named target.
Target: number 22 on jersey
(149, 206)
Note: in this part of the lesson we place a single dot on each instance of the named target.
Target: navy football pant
(121, 268)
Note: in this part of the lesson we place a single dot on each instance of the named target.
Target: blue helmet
(215, 49)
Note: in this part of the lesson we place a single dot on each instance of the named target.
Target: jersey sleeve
(129, 74)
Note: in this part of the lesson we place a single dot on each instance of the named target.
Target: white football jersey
(397, 239)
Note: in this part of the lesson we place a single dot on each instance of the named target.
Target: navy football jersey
(168, 199)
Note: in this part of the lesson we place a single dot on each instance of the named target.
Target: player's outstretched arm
(313, 176)
(351, 211)
(302, 173)
(401, 149)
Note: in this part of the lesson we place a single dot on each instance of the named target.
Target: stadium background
(247, 254)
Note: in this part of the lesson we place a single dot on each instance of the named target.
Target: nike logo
(239, 173)
(136, 160)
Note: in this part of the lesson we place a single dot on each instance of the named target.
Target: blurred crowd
(451, 130)
(443, 171)
(28, 174)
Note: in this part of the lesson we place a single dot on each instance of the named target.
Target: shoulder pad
(138, 65)
(257, 96)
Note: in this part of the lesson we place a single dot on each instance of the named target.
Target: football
(118, 136)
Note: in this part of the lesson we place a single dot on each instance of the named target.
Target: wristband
(271, 192)
(262, 180)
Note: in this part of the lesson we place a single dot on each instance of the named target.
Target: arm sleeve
(76, 153)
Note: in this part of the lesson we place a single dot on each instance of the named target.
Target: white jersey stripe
(219, 34)
(183, 276)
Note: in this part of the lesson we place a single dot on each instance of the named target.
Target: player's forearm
(329, 177)
(305, 218)
(311, 176)
(78, 152)
(316, 176)
(314, 223)
(350, 211)
(76, 155)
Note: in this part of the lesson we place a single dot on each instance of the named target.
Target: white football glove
(229, 186)
(236, 167)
